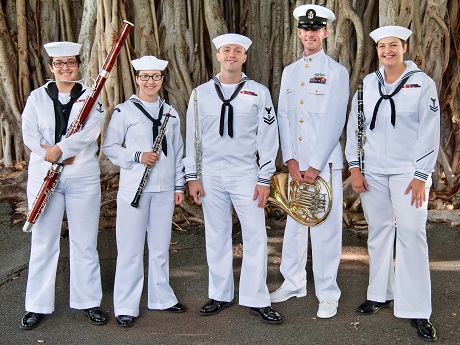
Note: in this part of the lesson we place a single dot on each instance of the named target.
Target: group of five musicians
(231, 147)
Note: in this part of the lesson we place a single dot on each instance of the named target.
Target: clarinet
(360, 127)
(148, 168)
(52, 177)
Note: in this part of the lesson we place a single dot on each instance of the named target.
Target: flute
(148, 168)
(361, 135)
(52, 177)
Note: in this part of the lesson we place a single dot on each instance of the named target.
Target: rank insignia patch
(269, 119)
(247, 92)
(434, 107)
(410, 86)
(319, 78)
(99, 108)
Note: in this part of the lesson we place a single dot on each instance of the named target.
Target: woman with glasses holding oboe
(400, 139)
(144, 139)
(47, 116)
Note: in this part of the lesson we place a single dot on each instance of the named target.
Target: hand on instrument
(310, 175)
(294, 170)
(262, 193)
(53, 153)
(418, 192)
(358, 182)
(178, 198)
(195, 190)
(149, 158)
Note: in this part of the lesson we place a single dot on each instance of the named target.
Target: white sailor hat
(56, 49)
(146, 63)
(224, 39)
(390, 31)
(313, 16)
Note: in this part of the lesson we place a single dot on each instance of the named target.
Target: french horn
(305, 202)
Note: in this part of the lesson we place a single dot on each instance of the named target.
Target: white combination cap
(224, 39)
(147, 63)
(390, 31)
(313, 16)
(56, 49)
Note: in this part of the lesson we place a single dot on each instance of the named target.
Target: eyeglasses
(146, 77)
(70, 63)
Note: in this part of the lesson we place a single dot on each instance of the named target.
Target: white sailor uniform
(311, 114)
(128, 135)
(78, 193)
(230, 172)
(395, 152)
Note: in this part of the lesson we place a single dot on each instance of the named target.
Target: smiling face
(149, 82)
(390, 51)
(61, 70)
(312, 39)
(231, 57)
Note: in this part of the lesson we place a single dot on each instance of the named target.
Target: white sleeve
(190, 156)
(351, 147)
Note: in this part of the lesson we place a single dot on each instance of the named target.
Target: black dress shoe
(30, 320)
(177, 308)
(213, 307)
(425, 329)
(371, 307)
(125, 320)
(96, 316)
(268, 315)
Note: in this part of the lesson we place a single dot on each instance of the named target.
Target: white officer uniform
(311, 113)
(78, 193)
(230, 172)
(128, 135)
(394, 154)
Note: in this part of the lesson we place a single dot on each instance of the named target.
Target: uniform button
(309, 59)
(302, 84)
(316, 91)
(301, 120)
(301, 102)
(300, 138)
(306, 65)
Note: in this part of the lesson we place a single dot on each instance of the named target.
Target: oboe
(52, 177)
(361, 135)
(148, 168)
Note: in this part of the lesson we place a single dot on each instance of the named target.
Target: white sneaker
(282, 295)
(327, 309)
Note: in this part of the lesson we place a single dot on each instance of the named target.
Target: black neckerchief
(226, 103)
(62, 112)
(155, 123)
(389, 97)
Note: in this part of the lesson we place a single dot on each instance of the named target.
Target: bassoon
(148, 168)
(52, 177)
(361, 135)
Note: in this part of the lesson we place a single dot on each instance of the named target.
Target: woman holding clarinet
(145, 200)
(401, 126)
(47, 116)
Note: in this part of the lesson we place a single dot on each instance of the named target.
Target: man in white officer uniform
(132, 130)
(311, 114)
(48, 114)
(237, 145)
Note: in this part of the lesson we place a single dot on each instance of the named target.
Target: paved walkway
(233, 325)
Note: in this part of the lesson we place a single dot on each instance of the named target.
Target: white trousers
(408, 280)
(326, 243)
(154, 217)
(81, 199)
(220, 194)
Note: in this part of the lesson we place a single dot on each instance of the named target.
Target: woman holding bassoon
(48, 114)
(401, 126)
(151, 183)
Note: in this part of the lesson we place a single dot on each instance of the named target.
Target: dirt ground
(188, 276)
